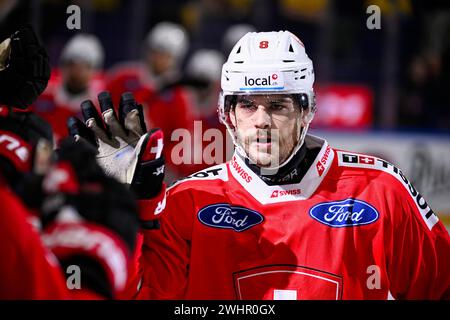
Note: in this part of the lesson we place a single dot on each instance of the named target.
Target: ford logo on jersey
(346, 213)
(223, 215)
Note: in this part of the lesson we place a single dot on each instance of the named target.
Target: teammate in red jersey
(165, 48)
(28, 269)
(65, 218)
(154, 82)
(289, 217)
(203, 71)
(78, 78)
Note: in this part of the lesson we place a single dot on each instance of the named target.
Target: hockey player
(154, 82)
(130, 154)
(79, 78)
(59, 219)
(290, 217)
(203, 72)
(165, 47)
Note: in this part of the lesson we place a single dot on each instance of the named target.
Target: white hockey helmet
(205, 64)
(168, 37)
(268, 63)
(84, 48)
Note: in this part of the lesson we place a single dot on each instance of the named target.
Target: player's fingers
(78, 130)
(90, 113)
(131, 114)
(109, 116)
(5, 49)
(132, 123)
(93, 121)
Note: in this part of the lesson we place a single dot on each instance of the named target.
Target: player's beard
(261, 146)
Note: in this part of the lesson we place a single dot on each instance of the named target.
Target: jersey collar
(266, 194)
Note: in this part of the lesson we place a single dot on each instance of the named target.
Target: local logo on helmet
(261, 80)
(346, 213)
(226, 216)
(249, 82)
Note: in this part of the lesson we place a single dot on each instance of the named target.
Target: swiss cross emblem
(366, 160)
(320, 168)
(274, 76)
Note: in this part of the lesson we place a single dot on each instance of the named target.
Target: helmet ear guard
(308, 117)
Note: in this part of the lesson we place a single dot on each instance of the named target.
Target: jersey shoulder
(383, 174)
(380, 171)
(209, 180)
(355, 163)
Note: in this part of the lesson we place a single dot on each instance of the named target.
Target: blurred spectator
(203, 72)
(233, 34)
(424, 101)
(155, 83)
(164, 49)
(79, 78)
(204, 67)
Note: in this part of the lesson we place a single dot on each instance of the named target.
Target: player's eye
(276, 106)
(247, 105)
(280, 106)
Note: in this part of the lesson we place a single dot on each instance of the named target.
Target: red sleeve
(419, 258)
(165, 252)
(27, 270)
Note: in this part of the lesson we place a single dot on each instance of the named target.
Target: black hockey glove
(25, 69)
(126, 150)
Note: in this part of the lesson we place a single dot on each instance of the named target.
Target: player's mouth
(263, 141)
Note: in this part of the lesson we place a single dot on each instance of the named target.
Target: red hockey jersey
(167, 109)
(28, 270)
(353, 228)
(56, 105)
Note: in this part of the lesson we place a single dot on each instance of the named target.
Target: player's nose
(261, 118)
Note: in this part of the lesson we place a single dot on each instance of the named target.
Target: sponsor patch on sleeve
(348, 159)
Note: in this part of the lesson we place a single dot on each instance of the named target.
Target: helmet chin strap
(300, 140)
